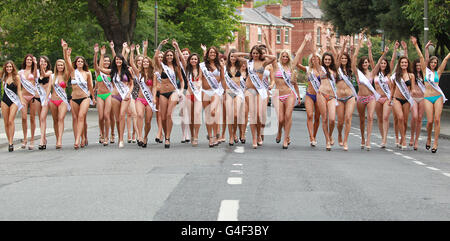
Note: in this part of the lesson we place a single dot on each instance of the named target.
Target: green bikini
(103, 96)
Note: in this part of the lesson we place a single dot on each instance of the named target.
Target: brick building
(288, 24)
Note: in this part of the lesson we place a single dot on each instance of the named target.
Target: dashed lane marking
(228, 210)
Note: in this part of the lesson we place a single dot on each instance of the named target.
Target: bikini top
(436, 77)
(260, 70)
(279, 74)
(100, 79)
(30, 76)
(12, 87)
(43, 81)
(238, 74)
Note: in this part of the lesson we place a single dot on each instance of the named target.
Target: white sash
(381, 79)
(287, 81)
(147, 94)
(158, 76)
(314, 81)
(212, 81)
(363, 80)
(41, 91)
(82, 83)
(262, 91)
(405, 92)
(197, 92)
(121, 87)
(237, 90)
(60, 92)
(107, 82)
(26, 84)
(347, 81)
(171, 74)
(431, 76)
(13, 97)
(419, 82)
(242, 82)
(265, 79)
(332, 83)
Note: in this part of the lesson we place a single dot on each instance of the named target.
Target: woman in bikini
(44, 74)
(185, 105)
(144, 108)
(212, 78)
(194, 95)
(311, 105)
(418, 109)
(234, 96)
(27, 78)
(111, 115)
(103, 88)
(287, 93)
(169, 95)
(383, 86)
(81, 80)
(367, 95)
(256, 93)
(433, 95)
(404, 81)
(346, 93)
(158, 138)
(121, 94)
(12, 99)
(59, 104)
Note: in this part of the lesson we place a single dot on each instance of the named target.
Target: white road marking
(228, 210)
(432, 168)
(390, 137)
(397, 153)
(239, 149)
(234, 180)
(237, 164)
(389, 150)
(447, 174)
(419, 163)
(237, 171)
(408, 157)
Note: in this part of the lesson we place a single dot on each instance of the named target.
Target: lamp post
(156, 24)
(425, 23)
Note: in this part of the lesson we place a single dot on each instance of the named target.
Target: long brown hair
(150, 69)
(398, 70)
(347, 67)
(4, 74)
(24, 63)
(49, 65)
(216, 60)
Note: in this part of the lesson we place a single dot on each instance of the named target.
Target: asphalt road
(226, 183)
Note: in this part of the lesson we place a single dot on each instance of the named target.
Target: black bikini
(79, 101)
(5, 99)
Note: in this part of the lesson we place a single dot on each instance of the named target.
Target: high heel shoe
(255, 146)
(194, 142)
(433, 150)
(157, 140)
(76, 146)
(121, 145)
(58, 147)
(140, 143)
(403, 148)
(144, 144)
(285, 147)
(105, 142)
(167, 145)
(11, 148)
(277, 140)
(242, 141)
(427, 147)
(345, 147)
(113, 137)
(368, 148)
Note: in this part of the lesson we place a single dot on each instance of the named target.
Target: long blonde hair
(56, 72)
(289, 64)
(14, 73)
(310, 63)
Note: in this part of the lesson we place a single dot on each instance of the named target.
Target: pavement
(226, 182)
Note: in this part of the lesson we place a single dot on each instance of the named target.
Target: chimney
(296, 8)
(274, 9)
(248, 4)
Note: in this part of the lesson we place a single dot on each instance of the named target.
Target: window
(286, 36)
(278, 36)
(319, 30)
(247, 33)
(259, 34)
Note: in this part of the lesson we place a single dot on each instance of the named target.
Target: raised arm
(102, 56)
(96, 50)
(332, 46)
(204, 50)
(145, 48)
(443, 64)
(269, 59)
(355, 56)
(240, 56)
(394, 56)
(111, 46)
(422, 60)
(127, 51)
(369, 46)
(132, 63)
(158, 50)
(297, 60)
(405, 49)
(376, 69)
(267, 43)
(138, 47)
(66, 53)
(179, 53)
(427, 51)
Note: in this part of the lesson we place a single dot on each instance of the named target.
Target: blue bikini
(433, 99)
